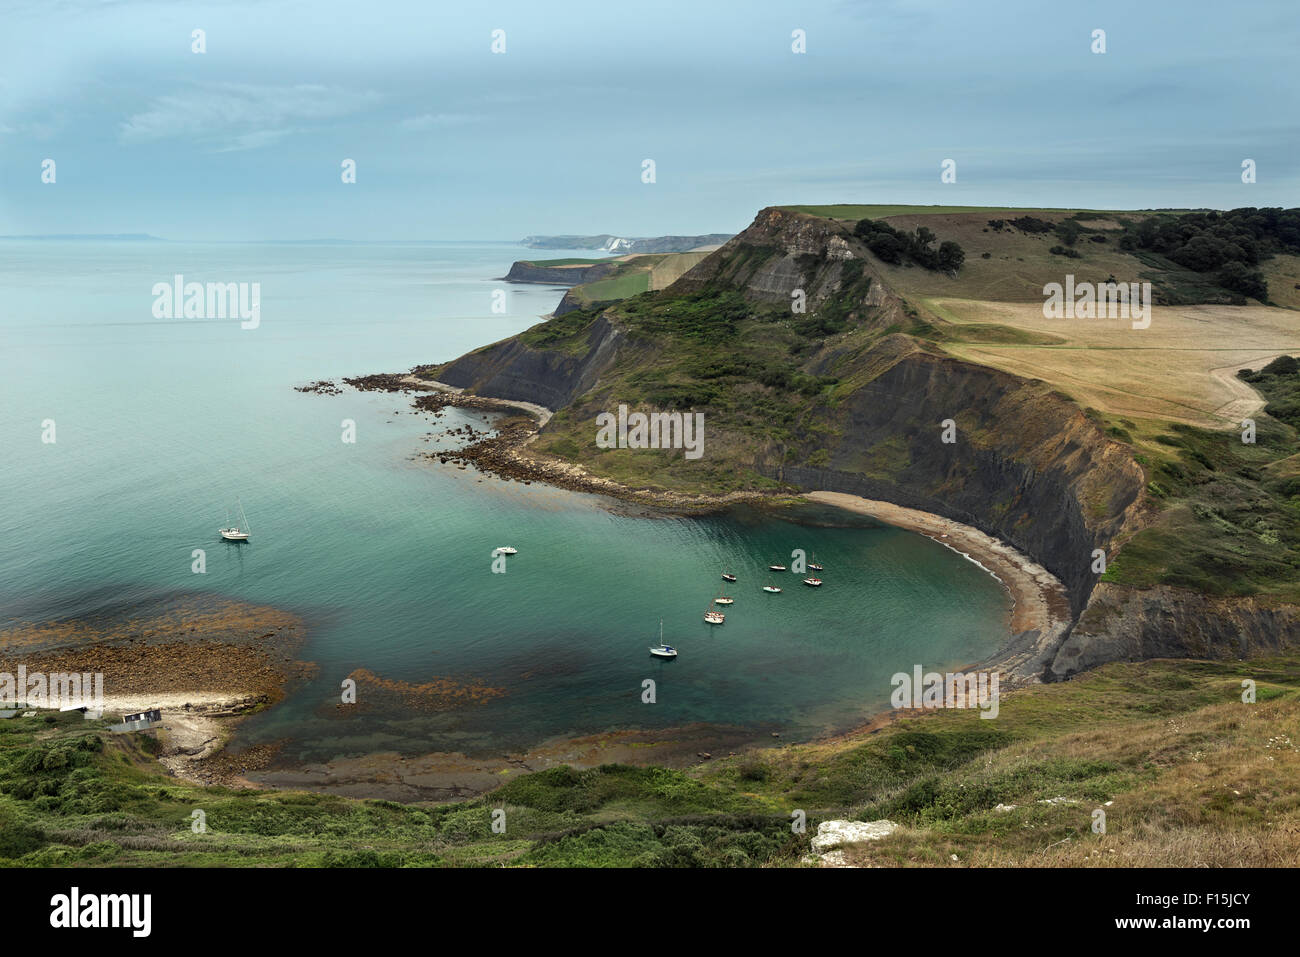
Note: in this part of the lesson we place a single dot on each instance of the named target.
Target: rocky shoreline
(504, 452)
(205, 662)
(1040, 618)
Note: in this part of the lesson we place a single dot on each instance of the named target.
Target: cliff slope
(814, 372)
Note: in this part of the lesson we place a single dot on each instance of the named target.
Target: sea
(127, 440)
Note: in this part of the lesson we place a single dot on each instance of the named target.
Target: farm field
(1182, 368)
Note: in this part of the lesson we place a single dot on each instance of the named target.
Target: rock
(1003, 808)
(831, 834)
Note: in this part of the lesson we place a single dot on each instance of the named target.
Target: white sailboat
(661, 650)
(236, 533)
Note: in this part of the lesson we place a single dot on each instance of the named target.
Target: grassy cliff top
(1187, 775)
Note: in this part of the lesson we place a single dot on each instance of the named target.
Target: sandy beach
(1040, 612)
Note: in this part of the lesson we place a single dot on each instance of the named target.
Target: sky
(452, 141)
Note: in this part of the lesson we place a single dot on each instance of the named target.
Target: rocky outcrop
(1130, 624)
(781, 252)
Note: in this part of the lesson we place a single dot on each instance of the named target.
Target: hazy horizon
(245, 141)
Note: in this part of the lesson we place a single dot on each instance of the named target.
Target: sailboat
(714, 617)
(777, 568)
(723, 599)
(813, 566)
(236, 533)
(661, 650)
(772, 589)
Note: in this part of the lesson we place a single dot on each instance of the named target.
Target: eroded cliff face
(780, 252)
(1027, 465)
(512, 370)
(1130, 624)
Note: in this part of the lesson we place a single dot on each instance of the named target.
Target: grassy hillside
(636, 274)
(1196, 777)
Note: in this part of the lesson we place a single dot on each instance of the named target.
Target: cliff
(525, 271)
(857, 409)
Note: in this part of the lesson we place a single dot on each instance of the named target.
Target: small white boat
(777, 568)
(728, 577)
(661, 650)
(814, 582)
(236, 533)
(724, 600)
(813, 566)
(771, 588)
(714, 617)
(506, 550)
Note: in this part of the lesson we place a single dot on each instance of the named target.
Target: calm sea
(161, 424)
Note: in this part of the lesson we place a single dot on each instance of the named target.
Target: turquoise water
(162, 423)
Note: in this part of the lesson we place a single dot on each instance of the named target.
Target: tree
(951, 256)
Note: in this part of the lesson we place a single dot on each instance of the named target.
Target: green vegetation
(568, 331)
(1031, 224)
(619, 286)
(1231, 510)
(743, 364)
(1150, 737)
(1229, 245)
(1279, 381)
(894, 246)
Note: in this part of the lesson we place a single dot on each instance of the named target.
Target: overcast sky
(452, 141)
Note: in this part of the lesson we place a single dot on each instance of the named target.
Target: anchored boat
(661, 650)
(236, 533)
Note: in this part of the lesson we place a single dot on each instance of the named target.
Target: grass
(1193, 777)
(565, 262)
(620, 286)
(852, 212)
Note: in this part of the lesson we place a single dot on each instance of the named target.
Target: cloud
(240, 116)
(430, 121)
